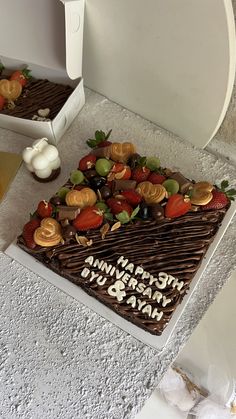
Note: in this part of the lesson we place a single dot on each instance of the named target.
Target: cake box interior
(49, 40)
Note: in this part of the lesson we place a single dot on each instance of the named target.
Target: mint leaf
(108, 134)
(142, 161)
(100, 136)
(108, 216)
(33, 215)
(231, 192)
(135, 212)
(224, 184)
(91, 143)
(123, 217)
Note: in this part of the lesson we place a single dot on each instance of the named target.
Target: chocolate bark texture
(174, 247)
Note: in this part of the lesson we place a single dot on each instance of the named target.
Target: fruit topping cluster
(11, 86)
(115, 186)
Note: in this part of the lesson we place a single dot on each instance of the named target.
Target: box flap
(172, 62)
(48, 33)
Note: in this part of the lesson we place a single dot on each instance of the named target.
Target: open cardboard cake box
(58, 68)
(50, 43)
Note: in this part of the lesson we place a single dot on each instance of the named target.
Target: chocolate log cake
(134, 247)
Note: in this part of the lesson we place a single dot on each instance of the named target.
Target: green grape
(62, 192)
(76, 177)
(101, 205)
(152, 163)
(103, 166)
(171, 186)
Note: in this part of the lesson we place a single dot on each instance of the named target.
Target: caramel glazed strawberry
(113, 187)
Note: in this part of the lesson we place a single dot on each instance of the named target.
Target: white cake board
(157, 342)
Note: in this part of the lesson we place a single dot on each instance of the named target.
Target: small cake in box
(41, 86)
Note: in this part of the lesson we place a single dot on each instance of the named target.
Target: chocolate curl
(102, 152)
(123, 185)
(69, 213)
(184, 183)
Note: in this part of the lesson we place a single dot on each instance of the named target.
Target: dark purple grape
(89, 174)
(97, 182)
(105, 192)
(56, 200)
(133, 160)
(69, 232)
(144, 211)
(157, 212)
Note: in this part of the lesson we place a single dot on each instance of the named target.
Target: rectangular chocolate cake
(129, 232)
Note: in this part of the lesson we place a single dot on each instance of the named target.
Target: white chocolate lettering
(162, 280)
(93, 276)
(145, 275)
(122, 261)
(132, 283)
(138, 270)
(140, 287)
(132, 301)
(125, 277)
(157, 314)
(152, 279)
(148, 292)
(180, 285)
(101, 280)
(98, 263)
(157, 295)
(130, 267)
(115, 290)
(85, 272)
(119, 274)
(174, 282)
(165, 301)
(147, 310)
(141, 304)
(89, 260)
(112, 270)
(105, 267)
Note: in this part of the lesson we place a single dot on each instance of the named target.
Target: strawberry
(104, 143)
(156, 178)
(119, 171)
(221, 196)
(2, 102)
(126, 173)
(116, 206)
(219, 200)
(100, 140)
(89, 218)
(28, 232)
(22, 76)
(132, 197)
(117, 168)
(44, 209)
(87, 162)
(177, 205)
(140, 174)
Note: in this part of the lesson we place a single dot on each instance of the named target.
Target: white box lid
(48, 33)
